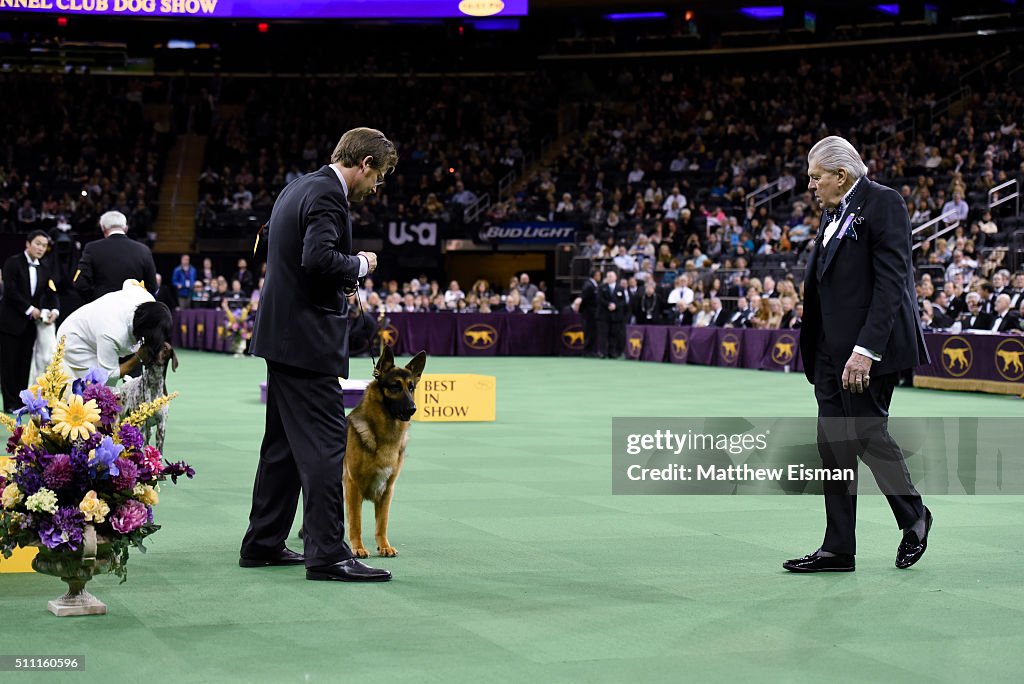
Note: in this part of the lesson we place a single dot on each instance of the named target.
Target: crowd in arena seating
(457, 138)
(664, 171)
(73, 147)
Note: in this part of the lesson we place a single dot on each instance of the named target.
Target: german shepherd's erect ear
(385, 363)
(417, 364)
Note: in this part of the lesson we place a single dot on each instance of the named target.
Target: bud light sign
(529, 233)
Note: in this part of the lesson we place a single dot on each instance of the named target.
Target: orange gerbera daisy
(75, 419)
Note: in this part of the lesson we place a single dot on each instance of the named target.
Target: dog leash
(353, 290)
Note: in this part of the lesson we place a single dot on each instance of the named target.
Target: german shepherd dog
(377, 432)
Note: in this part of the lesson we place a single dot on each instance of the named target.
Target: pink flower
(130, 516)
(152, 465)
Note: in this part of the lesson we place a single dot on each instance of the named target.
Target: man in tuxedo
(589, 313)
(974, 318)
(615, 305)
(29, 294)
(301, 330)
(1004, 319)
(860, 330)
(740, 318)
(107, 263)
(1016, 292)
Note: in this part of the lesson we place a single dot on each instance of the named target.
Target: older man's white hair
(113, 220)
(834, 153)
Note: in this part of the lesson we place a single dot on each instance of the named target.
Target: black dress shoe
(911, 548)
(350, 570)
(283, 557)
(814, 563)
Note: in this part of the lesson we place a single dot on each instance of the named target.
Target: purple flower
(14, 439)
(127, 474)
(97, 376)
(105, 400)
(33, 406)
(29, 481)
(130, 516)
(176, 470)
(131, 438)
(106, 455)
(65, 529)
(58, 474)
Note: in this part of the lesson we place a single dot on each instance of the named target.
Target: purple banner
(678, 341)
(985, 363)
(703, 346)
(274, 9)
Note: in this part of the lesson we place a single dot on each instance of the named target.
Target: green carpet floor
(517, 564)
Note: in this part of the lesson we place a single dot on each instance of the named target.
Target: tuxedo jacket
(302, 320)
(1011, 321)
(18, 295)
(107, 263)
(859, 288)
(589, 299)
(619, 298)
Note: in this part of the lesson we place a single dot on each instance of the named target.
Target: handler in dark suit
(107, 263)
(614, 303)
(588, 312)
(28, 291)
(301, 330)
(860, 329)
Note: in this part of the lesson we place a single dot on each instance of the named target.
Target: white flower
(11, 496)
(43, 501)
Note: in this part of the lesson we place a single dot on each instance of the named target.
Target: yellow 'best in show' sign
(456, 397)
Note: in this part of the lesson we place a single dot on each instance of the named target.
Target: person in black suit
(974, 318)
(28, 291)
(1004, 319)
(740, 318)
(301, 330)
(615, 310)
(648, 306)
(107, 263)
(861, 329)
(589, 305)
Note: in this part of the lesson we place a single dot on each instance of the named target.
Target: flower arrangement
(237, 326)
(76, 461)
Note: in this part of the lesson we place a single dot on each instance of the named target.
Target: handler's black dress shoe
(911, 548)
(283, 557)
(814, 563)
(350, 570)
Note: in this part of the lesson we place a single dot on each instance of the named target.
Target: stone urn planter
(76, 568)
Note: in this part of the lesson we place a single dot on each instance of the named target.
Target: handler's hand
(371, 260)
(855, 373)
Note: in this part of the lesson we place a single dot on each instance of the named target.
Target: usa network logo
(533, 233)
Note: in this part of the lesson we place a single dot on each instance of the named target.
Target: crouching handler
(125, 323)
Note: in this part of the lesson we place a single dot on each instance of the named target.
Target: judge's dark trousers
(852, 425)
(303, 450)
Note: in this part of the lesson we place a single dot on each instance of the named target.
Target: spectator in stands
(673, 204)
(200, 295)
(184, 278)
(704, 316)
(208, 276)
(452, 295)
(1004, 319)
(958, 207)
(961, 266)
(681, 292)
(513, 302)
(974, 318)
(527, 291)
(244, 276)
